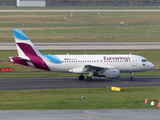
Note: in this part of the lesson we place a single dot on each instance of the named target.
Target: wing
(98, 68)
(86, 69)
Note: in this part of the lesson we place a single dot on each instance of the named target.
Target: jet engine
(112, 73)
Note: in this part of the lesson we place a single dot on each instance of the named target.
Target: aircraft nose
(151, 65)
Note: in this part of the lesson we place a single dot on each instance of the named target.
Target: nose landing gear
(132, 78)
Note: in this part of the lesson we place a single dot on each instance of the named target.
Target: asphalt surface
(83, 46)
(73, 82)
(117, 114)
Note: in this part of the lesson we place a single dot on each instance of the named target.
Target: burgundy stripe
(27, 49)
(37, 61)
(19, 61)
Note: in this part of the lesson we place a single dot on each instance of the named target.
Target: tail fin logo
(18, 33)
(28, 54)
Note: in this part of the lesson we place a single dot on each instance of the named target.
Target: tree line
(103, 2)
(8, 2)
(88, 2)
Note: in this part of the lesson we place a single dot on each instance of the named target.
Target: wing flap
(98, 68)
(91, 67)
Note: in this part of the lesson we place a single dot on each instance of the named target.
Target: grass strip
(96, 98)
(82, 26)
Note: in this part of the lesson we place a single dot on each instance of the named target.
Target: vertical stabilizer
(25, 47)
(28, 54)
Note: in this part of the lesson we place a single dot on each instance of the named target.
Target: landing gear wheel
(88, 79)
(81, 77)
(132, 78)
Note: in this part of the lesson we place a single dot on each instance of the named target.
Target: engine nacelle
(112, 73)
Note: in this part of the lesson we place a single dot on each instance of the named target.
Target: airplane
(104, 65)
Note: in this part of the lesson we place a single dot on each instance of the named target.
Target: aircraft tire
(81, 77)
(132, 78)
(88, 79)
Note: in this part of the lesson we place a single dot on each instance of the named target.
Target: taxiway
(87, 46)
(73, 82)
(106, 114)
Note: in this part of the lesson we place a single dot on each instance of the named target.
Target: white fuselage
(125, 63)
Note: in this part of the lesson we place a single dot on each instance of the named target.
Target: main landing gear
(132, 78)
(81, 77)
(88, 79)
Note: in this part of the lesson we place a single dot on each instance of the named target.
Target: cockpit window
(144, 60)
